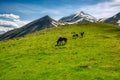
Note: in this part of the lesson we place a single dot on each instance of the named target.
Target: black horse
(82, 34)
(75, 35)
(61, 41)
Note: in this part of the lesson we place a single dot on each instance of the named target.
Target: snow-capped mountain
(78, 17)
(114, 19)
(41, 23)
(118, 22)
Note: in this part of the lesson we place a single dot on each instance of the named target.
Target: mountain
(114, 19)
(39, 24)
(78, 17)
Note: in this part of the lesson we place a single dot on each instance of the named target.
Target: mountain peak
(81, 12)
(46, 16)
(78, 17)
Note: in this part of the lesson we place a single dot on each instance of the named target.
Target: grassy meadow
(96, 56)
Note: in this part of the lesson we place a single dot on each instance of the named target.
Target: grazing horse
(75, 35)
(61, 41)
(82, 34)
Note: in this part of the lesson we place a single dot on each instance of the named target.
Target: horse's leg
(73, 36)
(58, 42)
(65, 41)
(82, 35)
(62, 43)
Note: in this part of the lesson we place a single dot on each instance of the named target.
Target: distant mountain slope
(101, 19)
(42, 23)
(78, 17)
(114, 19)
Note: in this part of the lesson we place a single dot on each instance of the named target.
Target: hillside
(35, 56)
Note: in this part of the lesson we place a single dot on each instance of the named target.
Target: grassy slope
(35, 56)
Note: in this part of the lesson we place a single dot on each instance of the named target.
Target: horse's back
(65, 39)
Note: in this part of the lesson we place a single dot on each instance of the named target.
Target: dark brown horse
(61, 41)
(75, 35)
(82, 34)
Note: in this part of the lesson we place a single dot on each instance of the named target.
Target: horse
(61, 41)
(82, 34)
(75, 35)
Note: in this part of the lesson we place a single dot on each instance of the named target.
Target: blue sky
(33, 9)
(16, 13)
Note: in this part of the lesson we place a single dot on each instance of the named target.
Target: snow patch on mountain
(101, 20)
(118, 22)
(78, 17)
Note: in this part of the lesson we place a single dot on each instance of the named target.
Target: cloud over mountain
(10, 16)
(10, 21)
(8, 24)
(103, 9)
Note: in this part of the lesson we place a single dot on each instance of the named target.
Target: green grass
(35, 56)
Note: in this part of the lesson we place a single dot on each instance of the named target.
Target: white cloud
(100, 10)
(8, 24)
(4, 29)
(104, 9)
(10, 16)
(15, 22)
(21, 23)
(116, 0)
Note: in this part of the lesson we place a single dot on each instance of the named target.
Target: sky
(17, 13)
